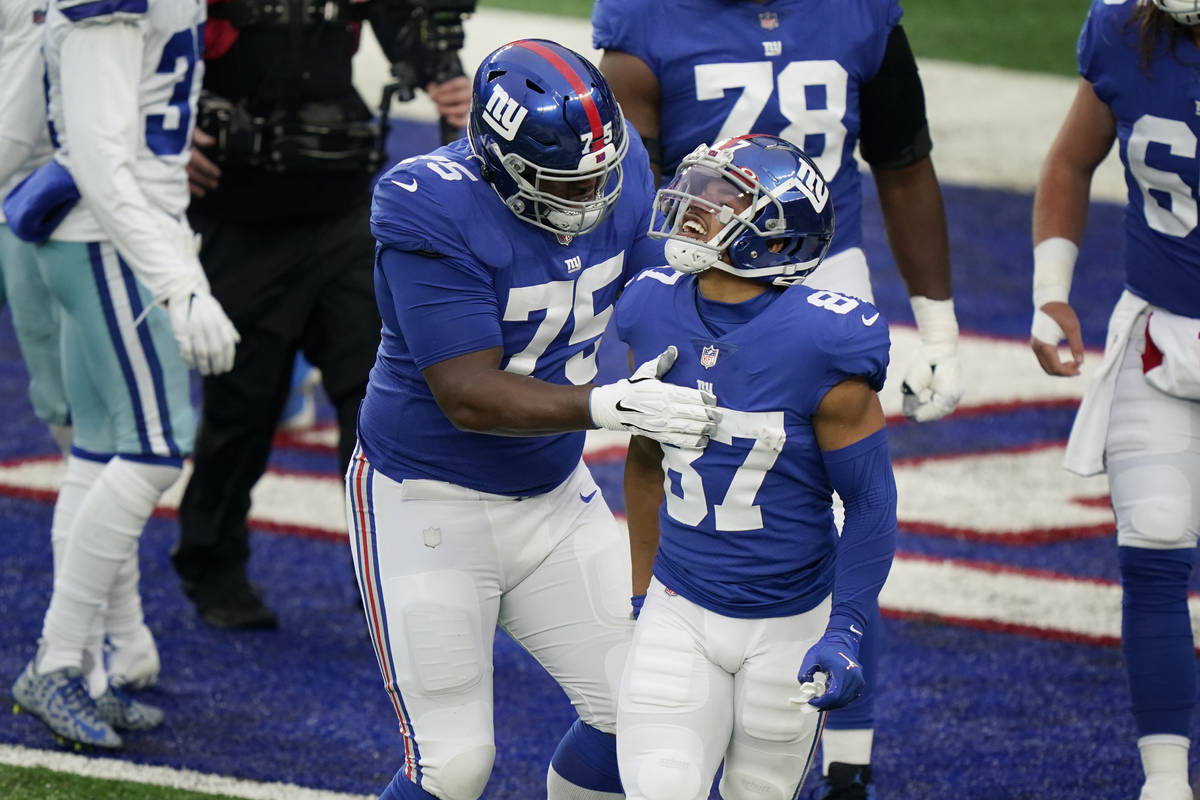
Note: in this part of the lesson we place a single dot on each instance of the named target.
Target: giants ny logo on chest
(574, 264)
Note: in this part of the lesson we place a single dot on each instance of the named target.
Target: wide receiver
(747, 584)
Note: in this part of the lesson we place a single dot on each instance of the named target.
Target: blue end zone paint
(963, 713)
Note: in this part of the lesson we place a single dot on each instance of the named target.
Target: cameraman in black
(280, 176)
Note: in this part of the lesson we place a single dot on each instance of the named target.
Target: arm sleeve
(22, 101)
(862, 475)
(445, 307)
(895, 131)
(101, 72)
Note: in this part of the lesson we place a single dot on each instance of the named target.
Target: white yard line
(112, 769)
(991, 127)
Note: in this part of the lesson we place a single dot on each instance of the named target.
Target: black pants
(286, 288)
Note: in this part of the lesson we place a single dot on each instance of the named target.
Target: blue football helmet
(549, 134)
(1184, 11)
(755, 206)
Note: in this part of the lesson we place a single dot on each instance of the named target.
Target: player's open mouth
(695, 227)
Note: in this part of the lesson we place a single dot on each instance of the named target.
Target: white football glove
(933, 384)
(644, 405)
(205, 335)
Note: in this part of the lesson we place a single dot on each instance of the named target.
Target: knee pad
(465, 774)
(737, 785)
(1152, 501)
(669, 774)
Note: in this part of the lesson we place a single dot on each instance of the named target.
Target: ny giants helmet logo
(503, 114)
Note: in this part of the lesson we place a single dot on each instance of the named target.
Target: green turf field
(18, 783)
(1020, 34)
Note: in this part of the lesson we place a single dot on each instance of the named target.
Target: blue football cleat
(61, 701)
(124, 713)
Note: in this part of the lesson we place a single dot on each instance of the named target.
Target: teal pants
(36, 318)
(126, 383)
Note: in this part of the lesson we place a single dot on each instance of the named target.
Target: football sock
(584, 766)
(401, 788)
(849, 746)
(80, 475)
(1156, 637)
(103, 537)
(1165, 761)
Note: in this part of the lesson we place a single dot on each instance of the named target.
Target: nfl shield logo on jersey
(708, 356)
(769, 20)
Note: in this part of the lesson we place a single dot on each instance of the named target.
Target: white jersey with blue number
(156, 143)
(1157, 111)
(747, 528)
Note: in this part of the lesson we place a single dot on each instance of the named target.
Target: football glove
(830, 675)
(933, 384)
(205, 335)
(644, 405)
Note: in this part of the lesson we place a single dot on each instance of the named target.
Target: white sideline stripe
(110, 769)
(991, 127)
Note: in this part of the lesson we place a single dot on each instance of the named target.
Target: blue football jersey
(747, 528)
(483, 278)
(792, 68)
(1156, 110)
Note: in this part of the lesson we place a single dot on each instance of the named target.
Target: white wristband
(1053, 268)
(936, 324)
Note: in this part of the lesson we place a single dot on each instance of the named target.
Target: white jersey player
(123, 78)
(25, 146)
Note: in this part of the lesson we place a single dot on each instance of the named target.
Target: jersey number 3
(167, 133)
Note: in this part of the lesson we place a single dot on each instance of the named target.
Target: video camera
(428, 42)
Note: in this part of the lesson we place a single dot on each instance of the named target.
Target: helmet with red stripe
(755, 206)
(549, 134)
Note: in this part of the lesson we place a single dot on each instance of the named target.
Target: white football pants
(440, 565)
(700, 687)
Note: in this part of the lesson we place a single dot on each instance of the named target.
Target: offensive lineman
(747, 584)
(499, 258)
(123, 77)
(1140, 417)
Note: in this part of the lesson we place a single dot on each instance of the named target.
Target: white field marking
(994, 597)
(1018, 495)
(991, 127)
(112, 769)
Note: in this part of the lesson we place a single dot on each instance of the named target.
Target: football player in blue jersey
(1140, 416)
(121, 81)
(743, 583)
(827, 75)
(499, 259)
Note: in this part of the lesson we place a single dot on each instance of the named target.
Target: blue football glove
(636, 602)
(830, 675)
